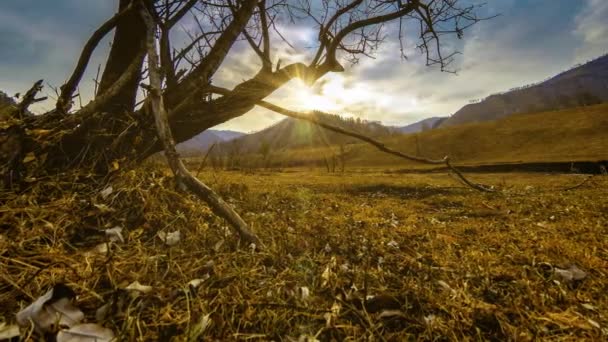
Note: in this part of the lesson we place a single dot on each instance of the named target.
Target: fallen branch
(579, 184)
(380, 146)
(180, 171)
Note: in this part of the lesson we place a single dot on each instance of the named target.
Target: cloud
(38, 41)
(591, 27)
(531, 40)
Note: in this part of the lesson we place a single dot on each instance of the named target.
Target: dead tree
(113, 129)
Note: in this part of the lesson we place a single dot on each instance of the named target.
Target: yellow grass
(577, 134)
(384, 256)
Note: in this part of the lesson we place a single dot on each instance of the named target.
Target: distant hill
(422, 125)
(293, 133)
(200, 143)
(583, 85)
(226, 135)
(569, 135)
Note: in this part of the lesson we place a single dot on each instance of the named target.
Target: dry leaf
(115, 234)
(195, 283)
(570, 274)
(303, 292)
(199, 329)
(51, 311)
(170, 239)
(8, 332)
(218, 245)
(29, 158)
(136, 286)
(393, 244)
(106, 192)
(88, 332)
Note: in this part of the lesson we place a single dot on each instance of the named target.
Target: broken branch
(29, 98)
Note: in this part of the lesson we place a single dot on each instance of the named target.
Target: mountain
(293, 133)
(226, 135)
(582, 85)
(421, 125)
(199, 144)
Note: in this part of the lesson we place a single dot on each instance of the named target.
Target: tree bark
(128, 42)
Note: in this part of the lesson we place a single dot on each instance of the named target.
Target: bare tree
(113, 128)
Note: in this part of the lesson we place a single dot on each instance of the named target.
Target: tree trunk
(126, 46)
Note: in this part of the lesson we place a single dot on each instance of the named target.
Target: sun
(306, 98)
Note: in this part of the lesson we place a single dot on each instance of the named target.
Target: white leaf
(195, 283)
(199, 329)
(115, 234)
(393, 244)
(106, 192)
(391, 314)
(102, 248)
(88, 332)
(304, 292)
(49, 312)
(307, 338)
(570, 274)
(170, 238)
(8, 332)
(218, 245)
(136, 286)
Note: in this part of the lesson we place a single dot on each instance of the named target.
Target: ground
(362, 255)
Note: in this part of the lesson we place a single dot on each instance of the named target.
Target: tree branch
(107, 96)
(380, 146)
(64, 102)
(335, 43)
(180, 171)
(28, 99)
(211, 62)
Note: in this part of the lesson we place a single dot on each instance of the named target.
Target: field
(367, 255)
(562, 136)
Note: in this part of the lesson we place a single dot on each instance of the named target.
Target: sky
(529, 41)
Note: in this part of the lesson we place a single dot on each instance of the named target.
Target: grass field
(569, 135)
(367, 255)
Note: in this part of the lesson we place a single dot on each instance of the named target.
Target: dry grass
(385, 256)
(575, 134)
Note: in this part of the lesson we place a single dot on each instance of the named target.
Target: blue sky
(531, 40)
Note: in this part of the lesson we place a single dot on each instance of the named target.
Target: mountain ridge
(583, 85)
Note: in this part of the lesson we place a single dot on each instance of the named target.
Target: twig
(200, 168)
(579, 184)
(180, 171)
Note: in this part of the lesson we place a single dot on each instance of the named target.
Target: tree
(112, 130)
(265, 150)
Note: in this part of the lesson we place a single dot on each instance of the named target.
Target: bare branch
(64, 102)
(380, 146)
(107, 96)
(180, 171)
(28, 99)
